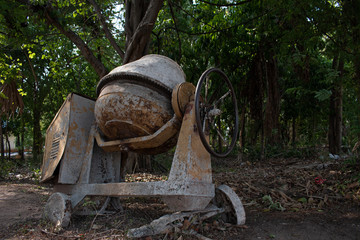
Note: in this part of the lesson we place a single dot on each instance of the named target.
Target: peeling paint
(130, 116)
(128, 111)
(71, 126)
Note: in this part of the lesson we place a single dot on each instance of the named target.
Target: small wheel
(227, 199)
(216, 112)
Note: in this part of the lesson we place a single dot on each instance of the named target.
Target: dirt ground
(300, 206)
(19, 202)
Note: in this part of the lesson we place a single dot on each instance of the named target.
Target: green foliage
(36, 174)
(272, 205)
(252, 153)
(303, 37)
(6, 167)
(352, 162)
(323, 95)
(290, 152)
(89, 203)
(162, 162)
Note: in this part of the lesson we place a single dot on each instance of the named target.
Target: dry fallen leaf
(186, 224)
(353, 185)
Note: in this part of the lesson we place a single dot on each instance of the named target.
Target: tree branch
(140, 39)
(176, 28)
(217, 30)
(83, 47)
(191, 16)
(108, 34)
(226, 4)
(97, 65)
(32, 68)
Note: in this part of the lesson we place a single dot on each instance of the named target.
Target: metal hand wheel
(216, 112)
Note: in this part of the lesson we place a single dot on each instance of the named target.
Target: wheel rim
(216, 112)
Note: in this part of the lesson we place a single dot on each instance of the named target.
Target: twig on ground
(59, 235)
(167, 222)
(196, 234)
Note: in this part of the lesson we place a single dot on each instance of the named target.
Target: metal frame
(189, 185)
(84, 163)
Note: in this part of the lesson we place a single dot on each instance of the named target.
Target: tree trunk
(335, 115)
(8, 145)
(22, 140)
(351, 13)
(140, 19)
(272, 109)
(37, 137)
(356, 55)
(253, 90)
(262, 143)
(2, 141)
(357, 80)
(293, 131)
(18, 146)
(242, 128)
(107, 32)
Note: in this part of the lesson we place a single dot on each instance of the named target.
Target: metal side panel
(55, 141)
(80, 121)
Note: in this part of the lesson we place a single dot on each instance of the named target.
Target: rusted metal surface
(191, 164)
(227, 199)
(181, 96)
(88, 157)
(153, 71)
(80, 121)
(150, 144)
(189, 186)
(141, 189)
(195, 190)
(135, 99)
(191, 160)
(56, 137)
(127, 110)
(67, 137)
(133, 112)
(105, 167)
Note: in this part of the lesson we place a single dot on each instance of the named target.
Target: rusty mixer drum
(145, 107)
(134, 100)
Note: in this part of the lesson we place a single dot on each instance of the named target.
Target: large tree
(293, 64)
(85, 24)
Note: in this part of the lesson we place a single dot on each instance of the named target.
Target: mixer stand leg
(191, 165)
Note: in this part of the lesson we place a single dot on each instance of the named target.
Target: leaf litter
(274, 185)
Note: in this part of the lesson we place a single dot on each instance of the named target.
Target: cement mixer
(147, 107)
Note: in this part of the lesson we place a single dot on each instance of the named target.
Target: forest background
(295, 65)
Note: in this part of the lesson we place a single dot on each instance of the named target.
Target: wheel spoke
(213, 96)
(204, 123)
(222, 98)
(221, 136)
(206, 87)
